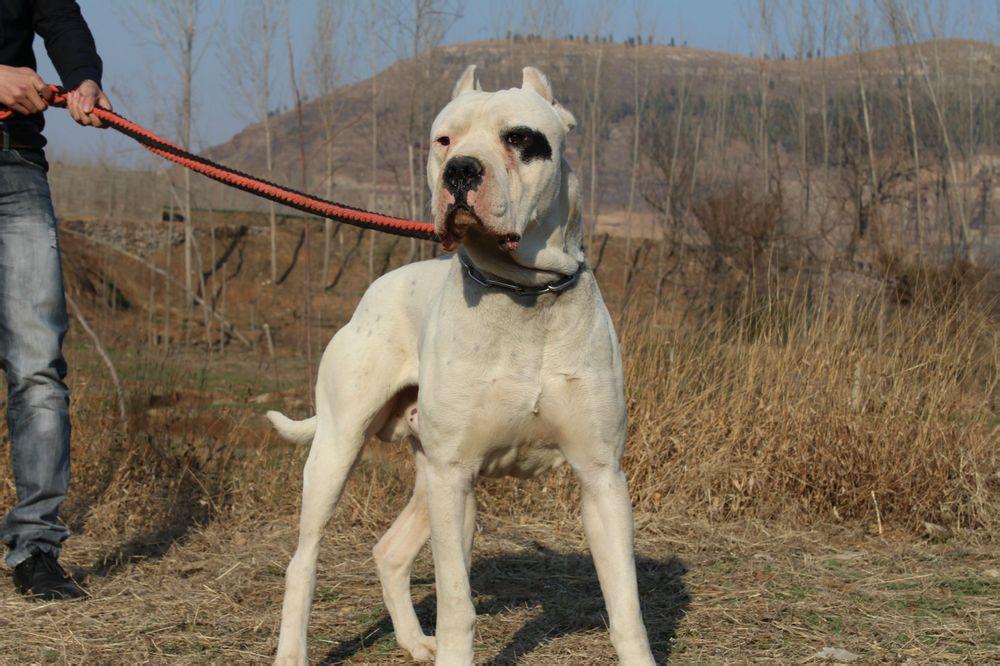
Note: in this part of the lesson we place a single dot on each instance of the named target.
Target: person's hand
(81, 103)
(22, 90)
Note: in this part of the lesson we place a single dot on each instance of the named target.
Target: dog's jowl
(498, 360)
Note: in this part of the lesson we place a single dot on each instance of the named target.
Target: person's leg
(33, 322)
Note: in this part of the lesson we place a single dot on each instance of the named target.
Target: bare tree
(293, 76)
(420, 27)
(372, 25)
(933, 89)
(894, 16)
(248, 57)
(545, 18)
(640, 92)
(326, 68)
(827, 22)
(600, 16)
(799, 28)
(504, 22)
(765, 38)
(175, 27)
(859, 38)
(669, 218)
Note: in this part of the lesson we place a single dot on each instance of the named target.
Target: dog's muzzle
(461, 219)
(464, 174)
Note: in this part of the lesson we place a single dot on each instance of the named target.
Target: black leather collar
(562, 284)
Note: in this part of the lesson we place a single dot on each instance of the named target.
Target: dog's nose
(463, 174)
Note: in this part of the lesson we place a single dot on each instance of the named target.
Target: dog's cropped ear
(568, 119)
(467, 82)
(533, 79)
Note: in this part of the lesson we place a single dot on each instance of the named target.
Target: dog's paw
(290, 660)
(421, 648)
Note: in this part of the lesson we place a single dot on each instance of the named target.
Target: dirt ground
(711, 593)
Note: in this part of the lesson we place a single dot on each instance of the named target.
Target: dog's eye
(529, 143)
(443, 140)
(515, 139)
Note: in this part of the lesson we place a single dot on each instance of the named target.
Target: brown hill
(408, 95)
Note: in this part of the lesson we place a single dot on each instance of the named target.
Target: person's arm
(71, 48)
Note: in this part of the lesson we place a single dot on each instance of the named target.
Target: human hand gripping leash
(257, 186)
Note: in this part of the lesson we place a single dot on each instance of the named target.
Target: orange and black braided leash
(307, 203)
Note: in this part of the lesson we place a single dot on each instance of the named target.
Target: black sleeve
(68, 41)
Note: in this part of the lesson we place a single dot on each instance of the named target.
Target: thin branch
(119, 390)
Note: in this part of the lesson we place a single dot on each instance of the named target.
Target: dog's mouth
(461, 219)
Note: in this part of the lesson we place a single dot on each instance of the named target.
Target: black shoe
(41, 577)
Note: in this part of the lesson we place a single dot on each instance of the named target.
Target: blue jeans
(33, 323)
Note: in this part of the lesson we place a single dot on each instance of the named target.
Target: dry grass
(829, 413)
(858, 413)
(712, 592)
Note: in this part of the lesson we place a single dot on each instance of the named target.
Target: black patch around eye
(530, 144)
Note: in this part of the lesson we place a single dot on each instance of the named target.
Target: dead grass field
(787, 458)
(712, 592)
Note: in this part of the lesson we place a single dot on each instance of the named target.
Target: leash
(307, 203)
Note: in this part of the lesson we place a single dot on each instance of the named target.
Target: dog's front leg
(607, 521)
(452, 508)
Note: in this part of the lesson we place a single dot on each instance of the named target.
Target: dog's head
(495, 166)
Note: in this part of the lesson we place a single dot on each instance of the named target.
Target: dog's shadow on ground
(565, 587)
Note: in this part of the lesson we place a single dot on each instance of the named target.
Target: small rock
(847, 555)
(937, 532)
(839, 655)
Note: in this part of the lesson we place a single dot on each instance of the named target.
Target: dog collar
(562, 284)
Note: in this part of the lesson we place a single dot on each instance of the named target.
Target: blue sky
(137, 76)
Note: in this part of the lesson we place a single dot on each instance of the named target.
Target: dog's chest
(498, 380)
(500, 351)
(499, 412)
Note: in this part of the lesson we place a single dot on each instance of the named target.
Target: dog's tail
(297, 432)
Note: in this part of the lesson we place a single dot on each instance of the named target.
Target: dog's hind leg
(334, 450)
(394, 555)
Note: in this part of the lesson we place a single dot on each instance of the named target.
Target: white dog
(502, 360)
